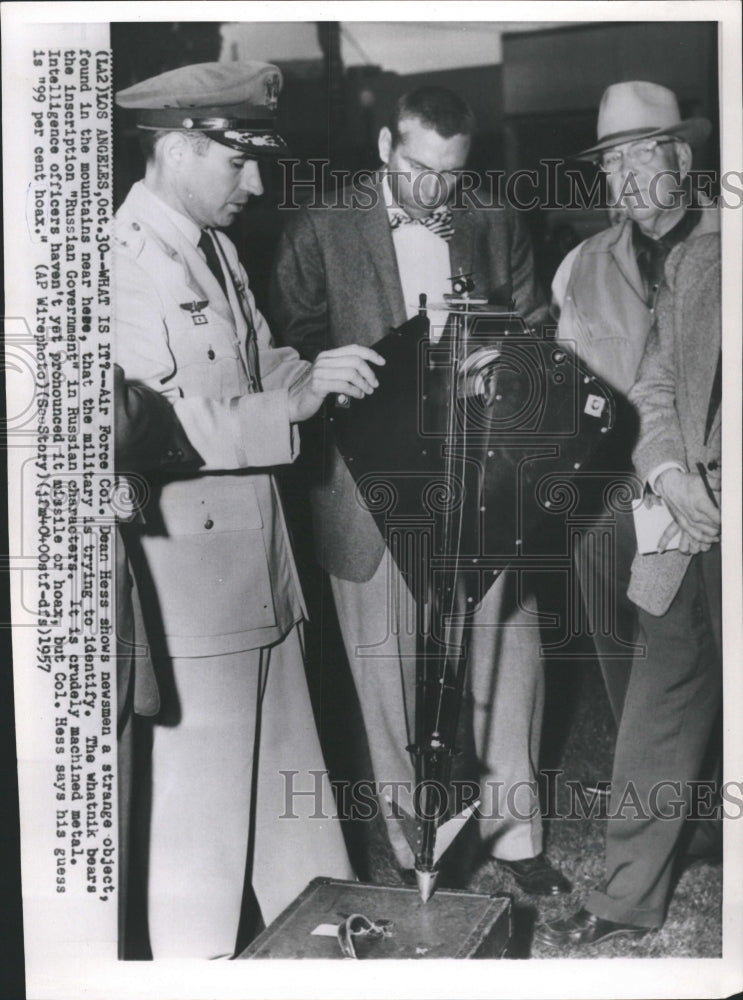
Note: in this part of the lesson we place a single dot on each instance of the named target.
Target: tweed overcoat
(673, 393)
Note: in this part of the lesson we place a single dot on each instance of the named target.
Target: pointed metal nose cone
(426, 884)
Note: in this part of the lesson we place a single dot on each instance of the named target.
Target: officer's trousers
(232, 754)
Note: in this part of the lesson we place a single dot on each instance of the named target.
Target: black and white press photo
(373, 441)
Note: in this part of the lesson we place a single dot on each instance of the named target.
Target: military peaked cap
(233, 103)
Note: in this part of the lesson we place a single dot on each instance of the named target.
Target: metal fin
(426, 883)
(410, 826)
(447, 832)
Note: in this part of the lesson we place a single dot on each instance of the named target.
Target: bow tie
(439, 222)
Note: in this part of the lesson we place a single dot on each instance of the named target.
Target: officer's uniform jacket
(218, 569)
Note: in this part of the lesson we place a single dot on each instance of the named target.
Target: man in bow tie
(211, 556)
(350, 273)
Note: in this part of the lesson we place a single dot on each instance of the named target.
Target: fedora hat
(637, 109)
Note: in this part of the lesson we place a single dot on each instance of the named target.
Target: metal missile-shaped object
(443, 837)
(484, 420)
(426, 882)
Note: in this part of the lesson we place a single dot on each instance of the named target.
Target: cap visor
(256, 143)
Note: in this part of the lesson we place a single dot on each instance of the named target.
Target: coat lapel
(713, 417)
(703, 353)
(374, 229)
(462, 248)
(699, 358)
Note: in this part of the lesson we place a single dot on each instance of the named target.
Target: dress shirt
(423, 264)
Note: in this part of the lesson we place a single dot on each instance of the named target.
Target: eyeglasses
(638, 153)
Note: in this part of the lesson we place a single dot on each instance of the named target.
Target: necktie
(651, 254)
(206, 245)
(440, 221)
(650, 260)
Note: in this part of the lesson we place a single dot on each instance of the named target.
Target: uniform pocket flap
(209, 504)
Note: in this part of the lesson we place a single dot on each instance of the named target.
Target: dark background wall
(540, 102)
(553, 80)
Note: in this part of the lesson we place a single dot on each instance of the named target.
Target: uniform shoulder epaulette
(129, 235)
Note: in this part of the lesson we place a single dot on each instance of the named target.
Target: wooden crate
(452, 924)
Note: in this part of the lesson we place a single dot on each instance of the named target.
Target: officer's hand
(694, 514)
(344, 370)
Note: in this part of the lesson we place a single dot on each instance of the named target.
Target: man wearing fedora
(212, 558)
(657, 339)
(605, 293)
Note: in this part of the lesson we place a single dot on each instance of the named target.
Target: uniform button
(208, 524)
(210, 354)
(179, 453)
(170, 453)
(136, 226)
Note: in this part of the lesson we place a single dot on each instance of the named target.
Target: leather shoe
(536, 876)
(584, 928)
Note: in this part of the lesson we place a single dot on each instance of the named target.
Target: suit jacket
(213, 559)
(336, 282)
(673, 393)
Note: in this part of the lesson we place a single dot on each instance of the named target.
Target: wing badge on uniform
(195, 308)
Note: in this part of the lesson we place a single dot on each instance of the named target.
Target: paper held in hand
(650, 523)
